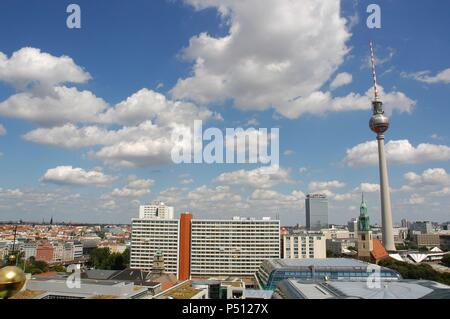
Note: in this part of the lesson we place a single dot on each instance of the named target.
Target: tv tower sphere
(379, 123)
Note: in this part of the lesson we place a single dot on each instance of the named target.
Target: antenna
(374, 71)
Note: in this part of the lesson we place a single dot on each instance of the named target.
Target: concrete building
(232, 247)
(304, 245)
(424, 227)
(150, 236)
(77, 249)
(29, 250)
(44, 252)
(427, 240)
(336, 233)
(353, 225)
(156, 210)
(316, 206)
(340, 246)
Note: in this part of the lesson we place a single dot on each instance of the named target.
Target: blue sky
(262, 54)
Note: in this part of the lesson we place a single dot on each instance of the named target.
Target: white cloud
(128, 192)
(441, 193)
(186, 181)
(2, 130)
(30, 66)
(416, 199)
(426, 77)
(397, 151)
(263, 177)
(288, 152)
(319, 102)
(62, 105)
(341, 79)
(276, 50)
(68, 175)
(137, 183)
(318, 186)
(147, 105)
(432, 176)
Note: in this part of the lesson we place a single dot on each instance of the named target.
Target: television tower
(379, 123)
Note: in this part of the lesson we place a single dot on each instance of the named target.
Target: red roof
(378, 252)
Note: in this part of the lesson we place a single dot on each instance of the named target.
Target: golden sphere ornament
(12, 259)
(12, 279)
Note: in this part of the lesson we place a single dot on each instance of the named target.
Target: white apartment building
(156, 210)
(58, 251)
(29, 250)
(77, 250)
(232, 247)
(304, 245)
(149, 236)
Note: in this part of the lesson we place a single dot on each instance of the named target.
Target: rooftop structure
(273, 271)
(401, 289)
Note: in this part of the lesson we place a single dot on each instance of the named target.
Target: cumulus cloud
(275, 51)
(431, 176)
(263, 177)
(426, 77)
(317, 186)
(398, 152)
(278, 53)
(135, 188)
(62, 105)
(68, 175)
(341, 79)
(30, 66)
(150, 105)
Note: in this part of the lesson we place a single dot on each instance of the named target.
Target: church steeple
(363, 224)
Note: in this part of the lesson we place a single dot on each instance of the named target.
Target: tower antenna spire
(374, 71)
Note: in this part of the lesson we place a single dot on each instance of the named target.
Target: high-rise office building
(152, 235)
(316, 211)
(424, 227)
(156, 210)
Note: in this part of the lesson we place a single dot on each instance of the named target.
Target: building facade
(304, 245)
(316, 211)
(156, 210)
(232, 247)
(152, 235)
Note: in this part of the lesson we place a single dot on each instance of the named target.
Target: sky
(87, 115)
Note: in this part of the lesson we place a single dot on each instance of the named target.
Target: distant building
(157, 210)
(423, 227)
(341, 246)
(304, 245)
(44, 252)
(427, 240)
(316, 206)
(444, 241)
(353, 225)
(29, 250)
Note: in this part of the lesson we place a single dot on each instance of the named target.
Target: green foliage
(446, 260)
(102, 258)
(420, 271)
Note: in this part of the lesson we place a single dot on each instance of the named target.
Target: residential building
(152, 235)
(29, 250)
(316, 206)
(156, 210)
(341, 246)
(304, 245)
(232, 247)
(44, 252)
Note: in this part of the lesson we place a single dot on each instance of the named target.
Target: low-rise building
(427, 240)
(304, 245)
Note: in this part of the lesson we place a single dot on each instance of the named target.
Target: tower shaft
(386, 212)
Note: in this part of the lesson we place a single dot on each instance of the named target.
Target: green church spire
(363, 224)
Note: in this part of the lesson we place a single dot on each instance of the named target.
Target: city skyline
(85, 128)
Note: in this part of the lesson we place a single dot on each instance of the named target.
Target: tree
(102, 258)
(446, 260)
